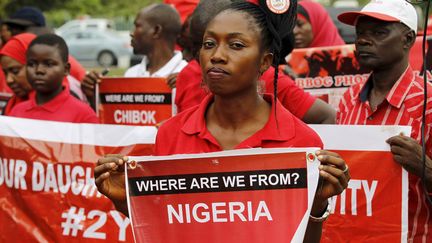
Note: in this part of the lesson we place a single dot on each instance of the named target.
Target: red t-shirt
(187, 132)
(184, 7)
(63, 108)
(190, 91)
(77, 70)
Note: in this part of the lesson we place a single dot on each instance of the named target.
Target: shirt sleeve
(293, 98)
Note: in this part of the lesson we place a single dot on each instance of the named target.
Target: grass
(113, 71)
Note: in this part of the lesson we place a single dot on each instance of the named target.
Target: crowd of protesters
(229, 93)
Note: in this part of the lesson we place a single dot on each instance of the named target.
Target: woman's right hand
(110, 179)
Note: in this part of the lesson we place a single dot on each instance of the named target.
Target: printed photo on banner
(134, 101)
(251, 195)
(47, 185)
(327, 72)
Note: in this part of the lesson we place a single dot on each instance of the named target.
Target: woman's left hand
(335, 174)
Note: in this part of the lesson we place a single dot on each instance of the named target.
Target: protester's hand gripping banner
(254, 195)
(327, 72)
(374, 207)
(46, 180)
(134, 101)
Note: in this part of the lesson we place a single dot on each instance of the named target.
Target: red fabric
(63, 108)
(12, 102)
(253, 1)
(190, 91)
(184, 7)
(16, 47)
(187, 132)
(324, 30)
(293, 98)
(77, 70)
(402, 106)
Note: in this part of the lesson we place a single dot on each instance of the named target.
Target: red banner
(46, 180)
(327, 72)
(257, 195)
(374, 207)
(134, 101)
(48, 192)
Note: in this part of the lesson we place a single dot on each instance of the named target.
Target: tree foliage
(59, 11)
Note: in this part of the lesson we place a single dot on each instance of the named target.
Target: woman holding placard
(239, 44)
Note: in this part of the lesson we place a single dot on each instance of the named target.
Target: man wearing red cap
(393, 95)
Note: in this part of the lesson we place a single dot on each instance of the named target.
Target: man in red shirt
(386, 31)
(47, 65)
(191, 92)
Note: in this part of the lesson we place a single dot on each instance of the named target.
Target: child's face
(45, 68)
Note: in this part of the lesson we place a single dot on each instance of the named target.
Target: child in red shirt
(47, 66)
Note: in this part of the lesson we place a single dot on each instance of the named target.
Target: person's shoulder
(20, 108)
(352, 93)
(418, 85)
(304, 136)
(132, 71)
(171, 136)
(83, 112)
(181, 66)
(192, 70)
(175, 123)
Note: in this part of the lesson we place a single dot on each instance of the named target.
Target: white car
(104, 47)
(85, 24)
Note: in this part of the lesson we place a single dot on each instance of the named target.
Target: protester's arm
(88, 86)
(110, 180)
(408, 153)
(172, 80)
(320, 113)
(335, 177)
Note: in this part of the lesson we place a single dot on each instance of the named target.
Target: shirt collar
(397, 93)
(169, 68)
(52, 105)
(274, 130)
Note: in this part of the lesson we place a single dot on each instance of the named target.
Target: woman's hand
(335, 174)
(110, 179)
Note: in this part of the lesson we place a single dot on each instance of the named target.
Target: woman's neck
(231, 120)
(234, 112)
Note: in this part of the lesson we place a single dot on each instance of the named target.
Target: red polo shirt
(187, 132)
(63, 108)
(190, 91)
(402, 106)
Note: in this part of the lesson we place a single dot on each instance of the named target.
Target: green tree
(59, 11)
